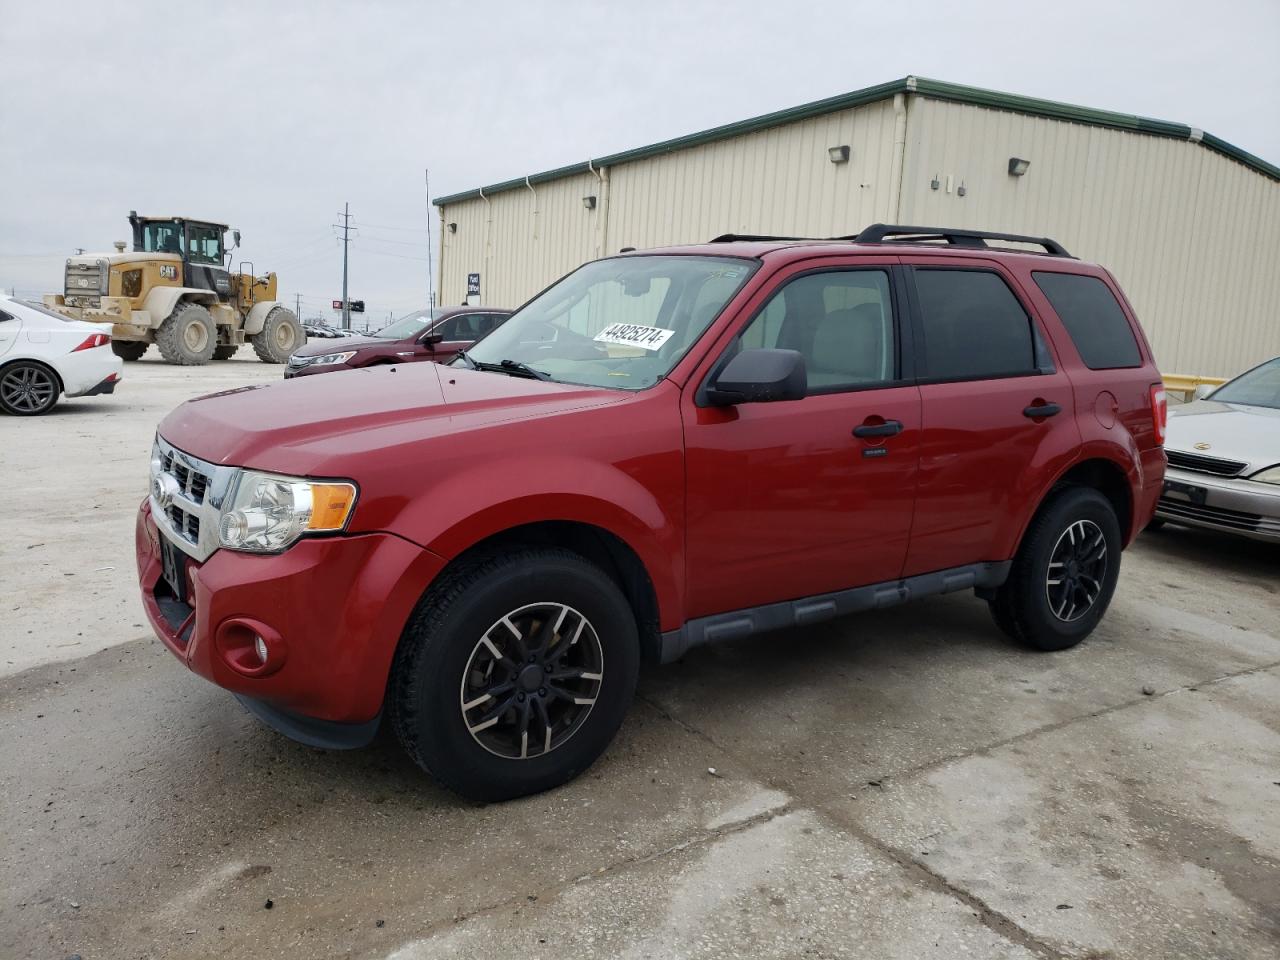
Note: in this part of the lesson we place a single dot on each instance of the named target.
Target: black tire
(28, 388)
(281, 335)
(437, 659)
(129, 350)
(225, 351)
(1053, 608)
(187, 337)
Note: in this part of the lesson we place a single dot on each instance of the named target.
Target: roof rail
(882, 232)
(739, 237)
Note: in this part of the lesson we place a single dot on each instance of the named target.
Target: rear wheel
(28, 389)
(1064, 574)
(514, 673)
(188, 336)
(281, 335)
(225, 351)
(129, 349)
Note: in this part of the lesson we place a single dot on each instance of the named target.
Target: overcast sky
(270, 115)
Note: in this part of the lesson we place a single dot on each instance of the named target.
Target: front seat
(848, 347)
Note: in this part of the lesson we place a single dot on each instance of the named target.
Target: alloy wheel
(531, 680)
(1077, 569)
(28, 389)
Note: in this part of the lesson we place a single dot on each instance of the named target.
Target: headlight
(1269, 475)
(268, 512)
(330, 358)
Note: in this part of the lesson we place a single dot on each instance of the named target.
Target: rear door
(796, 498)
(998, 412)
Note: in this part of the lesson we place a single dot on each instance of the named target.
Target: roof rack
(882, 232)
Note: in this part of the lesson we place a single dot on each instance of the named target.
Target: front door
(797, 498)
(998, 413)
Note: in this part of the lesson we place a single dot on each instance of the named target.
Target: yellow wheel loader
(175, 290)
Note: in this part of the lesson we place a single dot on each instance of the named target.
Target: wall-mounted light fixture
(589, 202)
(1018, 166)
(935, 183)
(960, 190)
(453, 228)
(838, 154)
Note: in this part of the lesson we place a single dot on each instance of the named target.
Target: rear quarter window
(1093, 318)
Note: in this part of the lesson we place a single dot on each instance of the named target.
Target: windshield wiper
(512, 368)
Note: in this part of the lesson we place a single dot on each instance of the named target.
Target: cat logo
(1202, 446)
(168, 271)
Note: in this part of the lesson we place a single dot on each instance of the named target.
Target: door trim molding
(809, 610)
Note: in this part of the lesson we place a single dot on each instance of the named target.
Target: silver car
(1224, 458)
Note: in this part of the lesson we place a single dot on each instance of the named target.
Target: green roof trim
(920, 86)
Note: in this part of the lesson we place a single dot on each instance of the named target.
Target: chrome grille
(1201, 464)
(186, 498)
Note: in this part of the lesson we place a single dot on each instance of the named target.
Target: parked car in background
(323, 331)
(426, 335)
(1224, 458)
(44, 355)
(662, 450)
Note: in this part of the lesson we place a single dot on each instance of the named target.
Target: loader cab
(199, 243)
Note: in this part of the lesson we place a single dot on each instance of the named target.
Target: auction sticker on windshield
(634, 335)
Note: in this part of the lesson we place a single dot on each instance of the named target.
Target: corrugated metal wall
(1191, 235)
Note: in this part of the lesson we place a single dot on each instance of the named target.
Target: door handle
(887, 429)
(1040, 410)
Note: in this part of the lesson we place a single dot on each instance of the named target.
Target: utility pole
(297, 306)
(431, 283)
(345, 227)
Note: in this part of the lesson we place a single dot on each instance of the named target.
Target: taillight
(1159, 411)
(92, 341)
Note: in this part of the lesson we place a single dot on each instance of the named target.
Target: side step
(808, 610)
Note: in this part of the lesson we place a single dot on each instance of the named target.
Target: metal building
(1189, 224)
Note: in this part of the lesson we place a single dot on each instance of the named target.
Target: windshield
(163, 236)
(621, 323)
(1260, 387)
(407, 326)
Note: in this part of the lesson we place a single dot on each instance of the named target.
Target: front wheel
(1064, 574)
(514, 673)
(187, 337)
(281, 334)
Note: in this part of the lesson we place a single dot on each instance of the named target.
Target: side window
(841, 321)
(974, 327)
(447, 328)
(1093, 318)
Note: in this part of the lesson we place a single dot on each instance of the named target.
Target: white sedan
(43, 354)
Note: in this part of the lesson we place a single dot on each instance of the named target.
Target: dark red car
(426, 335)
(665, 449)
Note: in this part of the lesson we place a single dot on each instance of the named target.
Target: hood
(324, 426)
(128, 256)
(324, 345)
(1233, 431)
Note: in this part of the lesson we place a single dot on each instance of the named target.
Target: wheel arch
(256, 318)
(1100, 473)
(38, 361)
(161, 301)
(600, 546)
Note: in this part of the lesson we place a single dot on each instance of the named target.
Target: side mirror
(235, 235)
(430, 339)
(760, 376)
(1203, 390)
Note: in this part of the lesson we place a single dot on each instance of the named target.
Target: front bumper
(331, 611)
(290, 371)
(1244, 507)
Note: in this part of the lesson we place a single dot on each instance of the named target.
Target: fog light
(260, 648)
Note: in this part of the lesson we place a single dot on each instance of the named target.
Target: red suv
(663, 449)
(426, 335)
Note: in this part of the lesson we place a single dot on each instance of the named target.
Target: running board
(827, 606)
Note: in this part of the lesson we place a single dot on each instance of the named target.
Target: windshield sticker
(634, 335)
